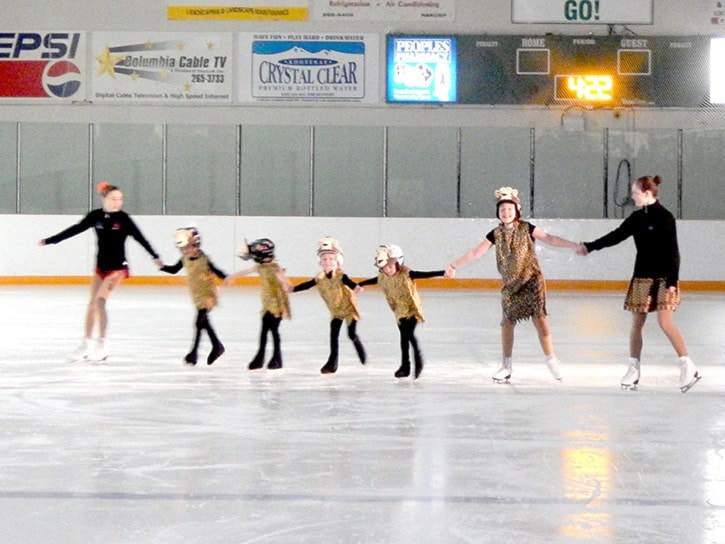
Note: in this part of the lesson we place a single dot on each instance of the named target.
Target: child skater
(397, 282)
(275, 303)
(112, 226)
(201, 274)
(523, 294)
(336, 289)
(655, 281)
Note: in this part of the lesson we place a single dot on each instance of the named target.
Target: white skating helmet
(384, 253)
(187, 236)
(329, 245)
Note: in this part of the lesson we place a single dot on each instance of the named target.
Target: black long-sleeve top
(309, 284)
(414, 275)
(175, 268)
(655, 237)
(112, 229)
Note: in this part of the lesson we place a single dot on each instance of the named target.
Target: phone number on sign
(207, 78)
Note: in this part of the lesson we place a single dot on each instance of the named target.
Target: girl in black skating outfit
(655, 282)
(201, 272)
(112, 226)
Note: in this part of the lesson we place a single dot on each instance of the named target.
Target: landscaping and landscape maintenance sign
(238, 10)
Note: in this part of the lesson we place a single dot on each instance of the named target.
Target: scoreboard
(596, 71)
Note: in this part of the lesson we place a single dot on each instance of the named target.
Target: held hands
(581, 250)
(450, 272)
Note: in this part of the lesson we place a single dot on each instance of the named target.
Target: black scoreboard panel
(598, 71)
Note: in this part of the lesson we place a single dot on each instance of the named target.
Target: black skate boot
(275, 363)
(257, 362)
(216, 352)
(404, 370)
(190, 358)
(330, 366)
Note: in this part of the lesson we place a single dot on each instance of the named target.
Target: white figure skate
(503, 373)
(689, 375)
(631, 379)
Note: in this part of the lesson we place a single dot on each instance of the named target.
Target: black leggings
(201, 324)
(406, 326)
(270, 324)
(335, 326)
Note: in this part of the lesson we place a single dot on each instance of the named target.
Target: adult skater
(201, 273)
(523, 294)
(655, 282)
(275, 302)
(112, 226)
(397, 282)
(336, 289)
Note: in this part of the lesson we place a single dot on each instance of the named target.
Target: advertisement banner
(392, 10)
(602, 12)
(238, 10)
(164, 67)
(308, 67)
(421, 69)
(42, 66)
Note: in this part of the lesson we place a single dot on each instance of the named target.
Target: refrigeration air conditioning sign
(42, 66)
(606, 12)
(301, 67)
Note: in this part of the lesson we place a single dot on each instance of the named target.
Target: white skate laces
(689, 375)
(631, 379)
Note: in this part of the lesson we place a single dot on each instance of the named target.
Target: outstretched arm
(468, 257)
(240, 273)
(556, 241)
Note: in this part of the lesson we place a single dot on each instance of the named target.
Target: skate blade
(687, 387)
(633, 387)
(77, 359)
(507, 379)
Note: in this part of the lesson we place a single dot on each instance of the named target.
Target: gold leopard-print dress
(523, 294)
(338, 297)
(274, 297)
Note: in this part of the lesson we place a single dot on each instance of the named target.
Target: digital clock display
(587, 88)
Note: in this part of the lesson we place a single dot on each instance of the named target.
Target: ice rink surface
(143, 449)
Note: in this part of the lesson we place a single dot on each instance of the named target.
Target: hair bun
(657, 180)
(103, 187)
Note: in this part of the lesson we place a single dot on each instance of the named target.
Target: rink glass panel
(492, 157)
(348, 163)
(54, 168)
(422, 172)
(130, 156)
(275, 170)
(201, 169)
(8, 175)
(353, 171)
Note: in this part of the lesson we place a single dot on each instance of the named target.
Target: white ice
(143, 449)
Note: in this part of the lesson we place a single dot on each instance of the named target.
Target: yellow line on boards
(432, 283)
